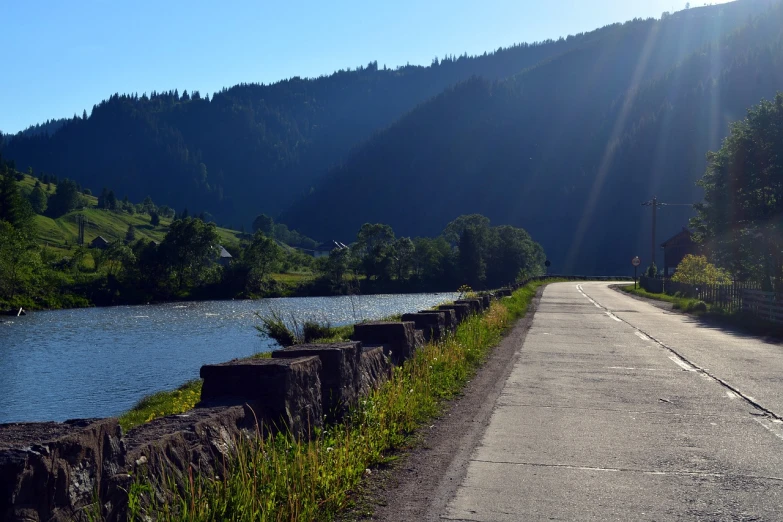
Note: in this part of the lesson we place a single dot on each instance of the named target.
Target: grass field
(61, 234)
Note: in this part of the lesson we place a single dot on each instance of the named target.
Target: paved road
(618, 410)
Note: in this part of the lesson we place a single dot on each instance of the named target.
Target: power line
(654, 203)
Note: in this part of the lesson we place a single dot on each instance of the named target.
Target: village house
(676, 248)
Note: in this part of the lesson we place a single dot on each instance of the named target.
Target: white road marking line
(774, 425)
(641, 336)
(773, 429)
(682, 364)
(639, 369)
(731, 395)
(579, 287)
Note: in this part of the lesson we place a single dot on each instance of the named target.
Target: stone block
(374, 369)
(51, 471)
(504, 292)
(433, 325)
(461, 310)
(165, 450)
(418, 339)
(284, 391)
(398, 339)
(339, 373)
(486, 299)
(449, 317)
(476, 305)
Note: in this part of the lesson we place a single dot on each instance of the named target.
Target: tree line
(468, 252)
(740, 220)
(191, 263)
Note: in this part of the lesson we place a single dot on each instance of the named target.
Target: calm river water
(99, 362)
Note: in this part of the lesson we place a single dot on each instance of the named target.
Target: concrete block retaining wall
(56, 471)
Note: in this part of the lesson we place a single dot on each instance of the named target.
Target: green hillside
(61, 234)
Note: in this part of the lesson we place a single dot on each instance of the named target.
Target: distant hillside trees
(569, 148)
(66, 197)
(251, 146)
(14, 209)
(740, 218)
(469, 251)
(189, 249)
(38, 199)
(20, 262)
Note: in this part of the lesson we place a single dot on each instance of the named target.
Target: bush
(275, 328)
(696, 270)
(313, 330)
(697, 306)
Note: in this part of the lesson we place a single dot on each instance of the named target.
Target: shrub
(275, 328)
(313, 330)
(696, 306)
(696, 270)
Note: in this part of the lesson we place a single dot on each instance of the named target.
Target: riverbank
(318, 479)
(280, 285)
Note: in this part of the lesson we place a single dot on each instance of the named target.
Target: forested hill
(250, 148)
(258, 148)
(570, 148)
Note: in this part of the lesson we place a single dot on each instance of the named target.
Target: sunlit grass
(278, 478)
(163, 403)
(292, 278)
(685, 304)
(61, 234)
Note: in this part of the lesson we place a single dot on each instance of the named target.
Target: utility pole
(81, 221)
(654, 203)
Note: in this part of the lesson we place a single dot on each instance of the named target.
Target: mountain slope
(567, 149)
(257, 148)
(251, 148)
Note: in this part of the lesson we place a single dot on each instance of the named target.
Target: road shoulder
(420, 480)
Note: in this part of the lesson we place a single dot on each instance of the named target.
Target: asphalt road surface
(619, 410)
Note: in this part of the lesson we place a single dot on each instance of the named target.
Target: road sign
(635, 262)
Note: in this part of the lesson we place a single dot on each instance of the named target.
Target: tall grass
(280, 478)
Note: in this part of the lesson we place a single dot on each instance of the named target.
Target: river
(98, 362)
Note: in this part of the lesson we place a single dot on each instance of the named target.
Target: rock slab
(282, 392)
(398, 339)
(51, 471)
(339, 375)
(461, 310)
(433, 325)
(374, 369)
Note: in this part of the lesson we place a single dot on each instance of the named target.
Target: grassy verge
(686, 304)
(278, 478)
(715, 314)
(163, 403)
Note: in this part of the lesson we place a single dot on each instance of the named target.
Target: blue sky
(63, 56)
